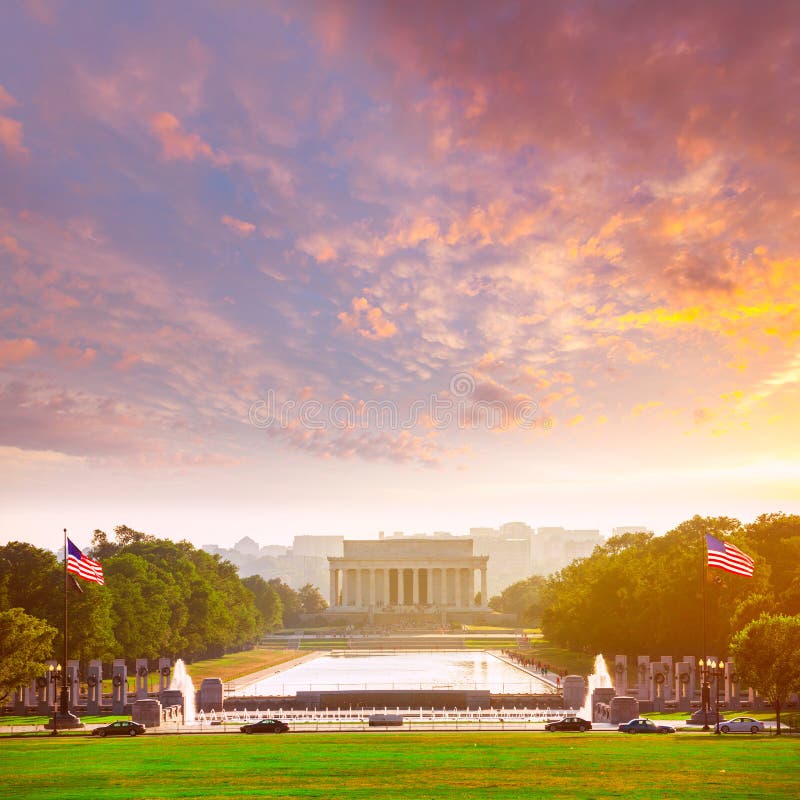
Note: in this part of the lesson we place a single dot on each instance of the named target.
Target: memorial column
(401, 594)
(359, 581)
(457, 571)
(372, 601)
(415, 585)
(333, 588)
(484, 596)
(345, 588)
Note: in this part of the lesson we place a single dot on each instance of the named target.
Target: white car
(742, 725)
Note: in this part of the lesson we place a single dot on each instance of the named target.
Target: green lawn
(401, 765)
(237, 665)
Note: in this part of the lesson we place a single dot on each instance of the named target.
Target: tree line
(644, 594)
(160, 598)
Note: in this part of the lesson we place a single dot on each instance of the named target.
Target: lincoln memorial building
(408, 574)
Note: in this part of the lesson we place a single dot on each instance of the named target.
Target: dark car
(265, 726)
(120, 728)
(644, 726)
(569, 724)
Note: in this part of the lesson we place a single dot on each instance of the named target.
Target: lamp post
(705, 691)
(55, 677)
(718, 673)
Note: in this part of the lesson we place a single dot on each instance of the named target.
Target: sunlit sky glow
(585, 209)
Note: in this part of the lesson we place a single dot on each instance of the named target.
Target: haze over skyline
(284, 268)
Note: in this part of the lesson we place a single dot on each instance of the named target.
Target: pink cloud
(76, 356)
(366, 320)
(176, 143)
(6, 99)
(238, 225)
(14, 351)
(12, 246)
(11, 137)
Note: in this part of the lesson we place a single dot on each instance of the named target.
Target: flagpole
(64, 698)
(704, 656)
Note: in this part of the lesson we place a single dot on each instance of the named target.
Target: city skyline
(288, 268)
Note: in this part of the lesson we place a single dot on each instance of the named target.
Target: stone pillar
(373, 598)
(574, 691)
(731, 686)
(469, 578)
(415, 585)
(332, 598)
(94, 687)
(484, 589)
(669, 677)
(458, 587)
(601, 699)
(643, 677)
(692, 662)
(142, 672)
(401, 586)
(683, 685)
(147, 713)
(47, 688)
(657, 682)
(621, 675)
(756, 700)
(359, 581)
(73, 682)
(211, 695)
(164, 674)
(623, 709)
(345, 587)
(19, 699)
(119, 686)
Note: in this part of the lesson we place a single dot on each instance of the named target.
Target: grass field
(401, 765)
(237, 665)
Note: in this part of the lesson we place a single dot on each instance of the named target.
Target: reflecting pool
(407, 670)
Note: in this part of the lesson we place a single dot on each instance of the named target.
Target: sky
(340, 267)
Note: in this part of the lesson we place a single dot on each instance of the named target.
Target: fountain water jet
(183, 683)
(599, 679)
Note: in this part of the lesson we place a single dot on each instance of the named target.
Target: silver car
(742, 725)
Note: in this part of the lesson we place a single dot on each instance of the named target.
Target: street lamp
(717, 671)
(55, 677)
(705, 691)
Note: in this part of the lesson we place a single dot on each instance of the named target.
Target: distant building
(630, 529)
(425, 575)
(317, 546)
(247, 546)
(555, 547)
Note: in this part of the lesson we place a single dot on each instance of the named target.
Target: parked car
(569, 724)
(742, 725)
(265, 726)
(120, 728)
(644, 726)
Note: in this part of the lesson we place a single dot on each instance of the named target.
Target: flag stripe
(728, 557)
(83, 566)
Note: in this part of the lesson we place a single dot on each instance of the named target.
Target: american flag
(725, 556)
(83, 566)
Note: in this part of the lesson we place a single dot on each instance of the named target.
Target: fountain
(183, 683)
(599, 679)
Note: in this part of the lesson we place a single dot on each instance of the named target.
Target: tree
(267, 602)
(767, 657)
(25, 642)
(523, 598)
(311, 600)
(289, 599)
(644, 593)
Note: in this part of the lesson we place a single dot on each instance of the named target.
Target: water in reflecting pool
(411, 670)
